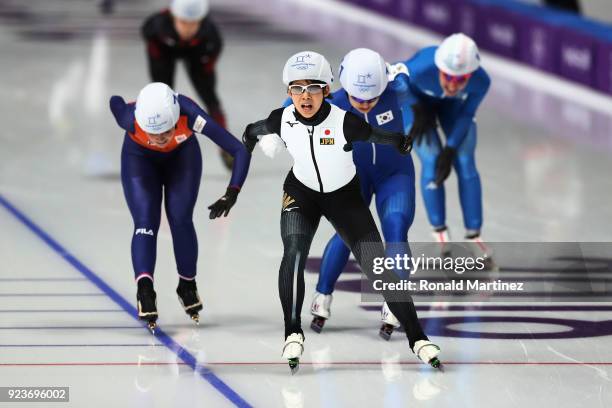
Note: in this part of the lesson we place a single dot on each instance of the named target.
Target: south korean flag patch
(384, 117)
(199, 124)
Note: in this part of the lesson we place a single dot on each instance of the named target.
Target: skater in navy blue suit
(161, 160)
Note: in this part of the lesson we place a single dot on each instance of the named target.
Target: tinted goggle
(360, 101)
(313, 89)
(457, 79)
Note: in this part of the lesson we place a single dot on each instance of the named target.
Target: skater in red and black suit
(186, 31)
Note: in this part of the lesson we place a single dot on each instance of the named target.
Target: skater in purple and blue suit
(161, 160)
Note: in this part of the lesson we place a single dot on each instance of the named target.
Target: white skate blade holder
(427, 352)
(292, 351)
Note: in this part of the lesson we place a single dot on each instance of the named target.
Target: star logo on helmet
(153, 119)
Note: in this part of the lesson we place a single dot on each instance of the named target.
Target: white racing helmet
(363, 73)
(457, 55)
(190, 10)
(157, 108)
(307, 65)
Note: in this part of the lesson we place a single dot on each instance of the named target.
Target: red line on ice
(255, 363)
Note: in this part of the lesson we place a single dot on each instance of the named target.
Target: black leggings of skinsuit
(346, 211)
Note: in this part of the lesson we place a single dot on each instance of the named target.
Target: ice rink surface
(66, 285)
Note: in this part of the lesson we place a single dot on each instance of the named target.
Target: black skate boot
(189, 298)
(146, 300)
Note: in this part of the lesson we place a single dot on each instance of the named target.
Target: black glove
(406, 146)
(424, 120)
(347, 147)
(443, 164)
(223, 205)
(248, 141)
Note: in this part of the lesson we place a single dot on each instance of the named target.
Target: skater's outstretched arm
(255, 130)
(200, 122)
(357, 130)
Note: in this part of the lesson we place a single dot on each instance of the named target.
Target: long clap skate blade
(294, 365)
(317, 324)
(196, 318)
(385, 331)
(152, 326)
